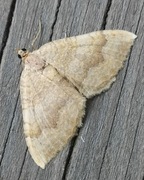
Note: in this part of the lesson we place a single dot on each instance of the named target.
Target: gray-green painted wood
(110, 144)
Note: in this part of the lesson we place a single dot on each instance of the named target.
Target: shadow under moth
(56, 81)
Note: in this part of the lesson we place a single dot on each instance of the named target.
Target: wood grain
(113, 127)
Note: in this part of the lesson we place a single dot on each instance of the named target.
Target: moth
(56, 81)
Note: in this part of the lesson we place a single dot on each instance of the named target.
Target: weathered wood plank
(5, 22)
(112, 129)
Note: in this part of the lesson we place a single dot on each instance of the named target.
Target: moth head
(22, 53)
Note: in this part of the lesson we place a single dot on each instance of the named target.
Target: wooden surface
(113, 127)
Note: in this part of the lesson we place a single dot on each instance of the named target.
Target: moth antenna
(38, 33)
(65, 35)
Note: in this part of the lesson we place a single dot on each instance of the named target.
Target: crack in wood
(55, 19)
(73, 142)
(136, 131)
(5, 144)
(104, 22)
(7, 28)
(21, 169)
